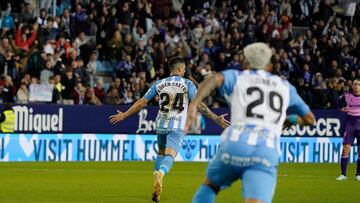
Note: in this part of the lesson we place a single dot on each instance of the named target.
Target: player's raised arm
(208, 85)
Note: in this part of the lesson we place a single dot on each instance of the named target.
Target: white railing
(296, 31)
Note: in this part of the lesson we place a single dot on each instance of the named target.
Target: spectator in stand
(21, 39)
(79, 93)
(6, 20)
(114, 46)
(57, 89)
(235, 63)
(91, 98)
(113, 97)
(307, 75)
(27, 13)
(82, 39)
(93, 65)
(65, 25)
(99, 90)
(55, 94)
(124, 67)
(47, 73)
(9, 65)
(79, 18)
(68, 82)
(8, 90)
(138, 33)
(63, 46)
(221, 63)
(42, 19)
(129, 97)
(4, 45)
(34, 80)
(22, 95)
(82, 73)
(74, 67)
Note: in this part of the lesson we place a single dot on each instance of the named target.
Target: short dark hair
(69, 69)
(356, 79)
(174, 61)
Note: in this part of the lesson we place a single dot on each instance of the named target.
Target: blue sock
(204, 194)
(157, 162)
(166, 164)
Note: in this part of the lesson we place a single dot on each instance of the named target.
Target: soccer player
(174, 95)
(250, 147)
(351, 102)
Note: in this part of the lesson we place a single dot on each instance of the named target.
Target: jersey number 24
(177, 104)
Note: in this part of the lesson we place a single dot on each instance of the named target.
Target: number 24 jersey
(175, 94)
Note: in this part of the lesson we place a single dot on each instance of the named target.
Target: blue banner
(51, 118)
(329, 123)
(130, 147)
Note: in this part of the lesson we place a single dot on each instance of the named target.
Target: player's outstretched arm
(208, 85)
(219, 120)
(302, 113)
(120, 116)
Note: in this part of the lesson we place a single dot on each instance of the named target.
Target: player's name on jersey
(179, 84)
(265, 81)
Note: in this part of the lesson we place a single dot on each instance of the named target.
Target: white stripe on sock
(163, 172)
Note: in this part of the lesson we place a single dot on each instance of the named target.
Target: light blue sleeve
(229, 81)
(151, 93)
(191, 89)
(296, 104)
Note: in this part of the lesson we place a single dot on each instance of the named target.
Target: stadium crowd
(110, 51)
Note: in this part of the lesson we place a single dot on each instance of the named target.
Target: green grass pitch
(132, 182)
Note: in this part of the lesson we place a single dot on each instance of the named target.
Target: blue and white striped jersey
(258, 101)
(175, 94)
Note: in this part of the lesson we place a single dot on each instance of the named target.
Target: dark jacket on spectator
(68, 87)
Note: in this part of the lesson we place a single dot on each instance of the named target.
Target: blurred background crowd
(110, 51)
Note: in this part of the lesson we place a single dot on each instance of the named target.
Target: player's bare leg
(357, 177)
(159, 174)
(344, 161)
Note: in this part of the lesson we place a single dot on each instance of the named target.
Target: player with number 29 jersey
(174, 95)
(250, 147)
(259, 101)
